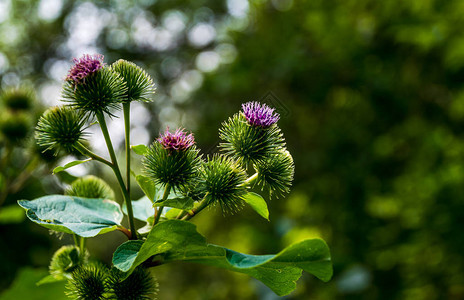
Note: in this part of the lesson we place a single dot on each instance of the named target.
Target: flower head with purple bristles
(85, 66)
(258, 114)
(178, 140)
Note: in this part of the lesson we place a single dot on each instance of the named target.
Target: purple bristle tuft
(85, 66)
(178, 140)
(258, 114)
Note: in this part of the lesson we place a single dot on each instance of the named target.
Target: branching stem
(203, 204)
(117, 172)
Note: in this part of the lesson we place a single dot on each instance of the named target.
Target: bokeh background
(372, 101)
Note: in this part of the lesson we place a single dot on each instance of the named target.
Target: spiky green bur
(88, 282)
(90, 187)
(66, 260)
(222, 182)
(140, 285)
(249, 143)
(178, 168)
(60, 127)
(140, 86)
(18, 98)
(15, 126)
(101, 92)
(275, 173)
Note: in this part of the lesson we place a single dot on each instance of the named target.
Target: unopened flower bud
(90, 187)
(140, 86)
(223, 183)
(275, 173)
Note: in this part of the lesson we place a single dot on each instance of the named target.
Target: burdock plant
(178, 183)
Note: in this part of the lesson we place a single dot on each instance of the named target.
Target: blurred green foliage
(372, 106)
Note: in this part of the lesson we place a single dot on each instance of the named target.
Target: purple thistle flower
(258, 114)
(176, 141)
(85, 66)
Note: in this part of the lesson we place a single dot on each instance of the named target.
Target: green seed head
(90, 187)
(140, 86)
(223, 183)
(140, 285)
(60, 127)
(88, 282)
(275, 173)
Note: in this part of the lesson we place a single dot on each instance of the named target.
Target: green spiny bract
(100, 92)
(178, 168)
(90, 187)
(15, 126)
(60, 127)
(275, 173)
(18, 98)
(249, 143)
(140, 86)
(140, 285)
(88, 282)
(66, 260)
(223, 182)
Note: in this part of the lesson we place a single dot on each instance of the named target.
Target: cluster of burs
(20, 156)
(252, 154)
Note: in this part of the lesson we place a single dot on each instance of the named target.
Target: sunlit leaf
(184, 203)
(70, 164)
(147, 185)
(175, 240)
(258, 204)
(139, 149)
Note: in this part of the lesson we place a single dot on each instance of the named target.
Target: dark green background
(372, 106)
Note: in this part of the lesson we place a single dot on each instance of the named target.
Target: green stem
(167, 190)
(203, 204)
(250, 179)
(76, 240)
(126, 109)
(82, 149)
(82, 245)
(181, 214)
(117, 172)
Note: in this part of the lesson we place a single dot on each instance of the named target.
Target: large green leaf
(257, 203)
(82, 216)
(176, 240)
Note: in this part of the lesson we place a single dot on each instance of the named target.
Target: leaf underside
(82, 216)
(175, 240)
